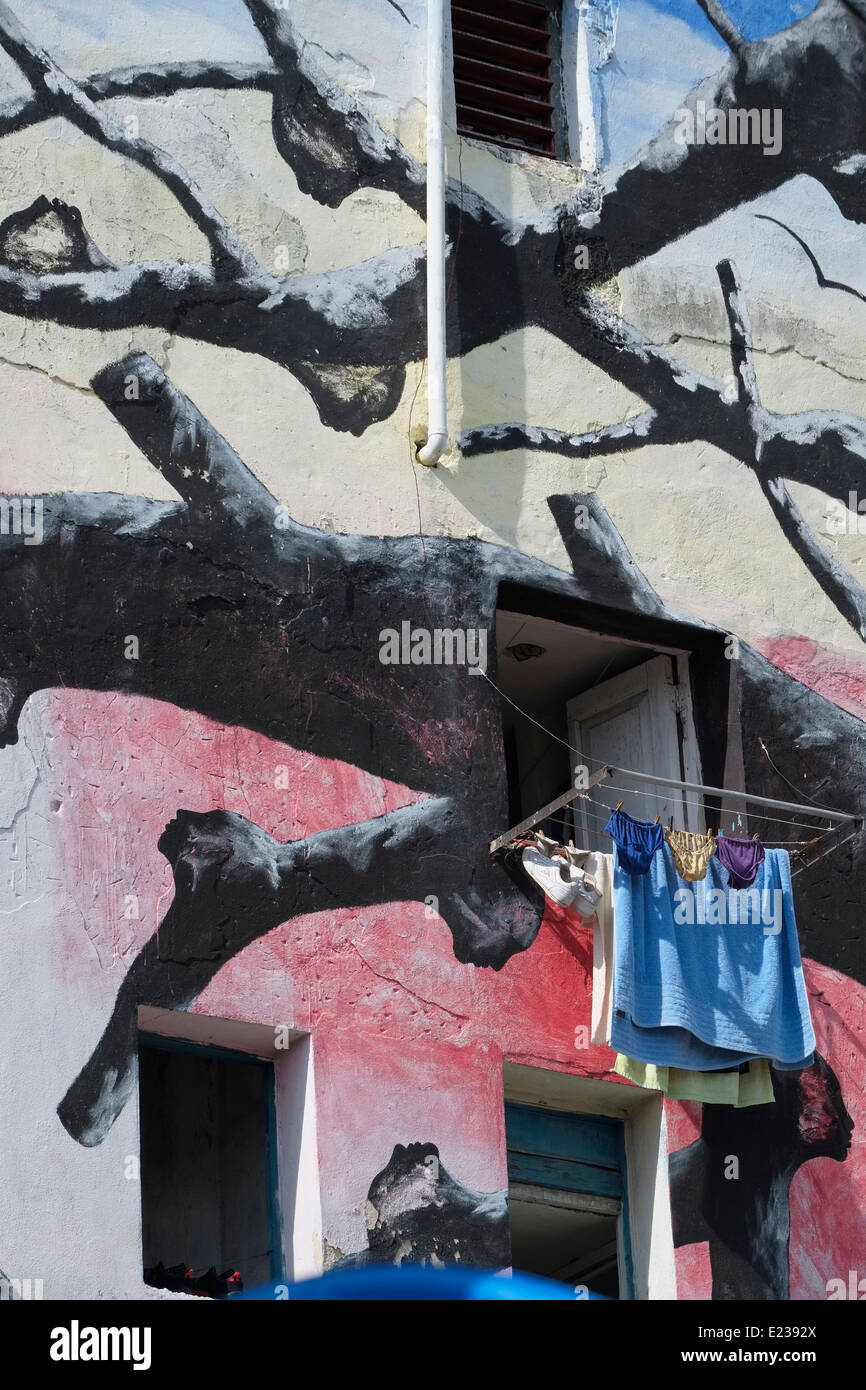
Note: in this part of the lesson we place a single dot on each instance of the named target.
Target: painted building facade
(233, 815)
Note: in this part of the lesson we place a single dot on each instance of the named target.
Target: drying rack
(848, 825)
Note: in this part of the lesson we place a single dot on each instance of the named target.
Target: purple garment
(741, 858)
(636, 840)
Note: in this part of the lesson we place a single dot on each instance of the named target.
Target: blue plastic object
(409, 1283)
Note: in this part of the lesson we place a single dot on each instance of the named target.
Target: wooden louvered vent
(502, 73)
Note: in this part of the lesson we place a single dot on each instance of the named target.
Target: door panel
(639, 720)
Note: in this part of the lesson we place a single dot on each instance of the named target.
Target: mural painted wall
(216, 798)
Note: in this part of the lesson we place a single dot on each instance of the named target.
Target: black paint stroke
(402, 12)
(233, 883)
(746, 1217)
(821, 278)
(823, 448)
(225, 572)
(419, 1213)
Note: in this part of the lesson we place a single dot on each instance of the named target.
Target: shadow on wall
(742, 1208)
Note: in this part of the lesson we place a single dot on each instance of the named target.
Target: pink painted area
(373, 1095)
(683, 1120)
(835, 674)
(124, 765)
(692, 1267)
(694, 1272)
(409, 1043)
(828, 1219)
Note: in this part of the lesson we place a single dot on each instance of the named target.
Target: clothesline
(726, 793)
(687, 801)
(807, 852)
(600, 820)
(711, 1020)
(817, 812)
(602, 813)
(723, 793)
(692, 801)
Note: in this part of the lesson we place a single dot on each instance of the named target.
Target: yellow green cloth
(740, 1089)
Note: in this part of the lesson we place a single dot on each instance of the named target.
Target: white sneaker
(562, 882)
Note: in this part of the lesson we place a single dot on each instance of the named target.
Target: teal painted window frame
(572, 1152)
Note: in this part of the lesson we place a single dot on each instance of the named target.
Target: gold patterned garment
(692, 853)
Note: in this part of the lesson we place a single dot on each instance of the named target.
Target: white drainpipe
(586, 115)
(437, 401)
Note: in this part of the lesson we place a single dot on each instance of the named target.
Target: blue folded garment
(636, 840)
(707, 976)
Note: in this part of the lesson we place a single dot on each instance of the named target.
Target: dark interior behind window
(207, 1169)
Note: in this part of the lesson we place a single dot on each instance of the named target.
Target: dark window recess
(506, 64)
(208, 1188)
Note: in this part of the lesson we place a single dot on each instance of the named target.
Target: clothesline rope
(687, 801)
(819, 812)
(752, 815)
(601, 820)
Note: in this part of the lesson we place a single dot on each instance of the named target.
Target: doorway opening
(210, 1224)
(576, 698)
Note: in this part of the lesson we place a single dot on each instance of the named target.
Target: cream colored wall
(693, 518)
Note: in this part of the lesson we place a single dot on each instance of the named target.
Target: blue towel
(694, 991)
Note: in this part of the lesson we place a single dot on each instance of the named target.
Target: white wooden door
(641, 720)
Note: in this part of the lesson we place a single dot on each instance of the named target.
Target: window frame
(646, 1146)
(595, 1169)
(559, 133)
(214, 1053)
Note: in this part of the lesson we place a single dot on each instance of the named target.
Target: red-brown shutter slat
(493, 99)
(502, 73)
(494, 75)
